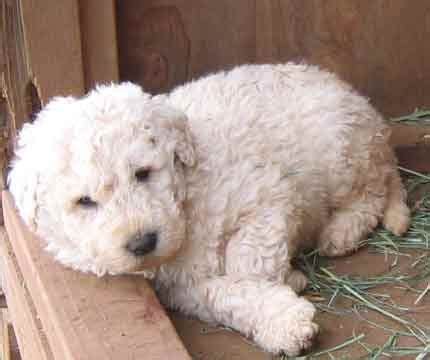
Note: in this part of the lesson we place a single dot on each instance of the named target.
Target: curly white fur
(246, 168)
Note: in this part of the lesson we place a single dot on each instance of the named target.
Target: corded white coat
(247, 167)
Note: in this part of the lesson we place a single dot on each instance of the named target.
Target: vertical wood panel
(154, 47)
(99, 46)
(53, 45)
(165, 42)
(15, 76)
(380, 46)
(30, 335)
(268, 24)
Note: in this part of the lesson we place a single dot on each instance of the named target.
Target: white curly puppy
(213, 188)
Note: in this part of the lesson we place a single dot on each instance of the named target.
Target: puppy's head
(101, 179)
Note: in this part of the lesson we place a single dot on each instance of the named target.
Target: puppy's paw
(297, 281)
(291, 332)
(342, 236)
(397, 219)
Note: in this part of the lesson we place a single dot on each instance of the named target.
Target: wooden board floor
(9, 349)
(210, 343)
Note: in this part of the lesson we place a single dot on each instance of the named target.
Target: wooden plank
(40, 57)
(31, 338)
(53, 46)
(12, 346)
(86, 317)
(5, 334)
(163, 43)
(268, 32)
(99, 47)
(154, 48)
(364, 41)
(10, 349)
(166, 42)
(15, 76)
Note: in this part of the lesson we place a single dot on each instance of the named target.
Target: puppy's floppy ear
(23, 186)
(32, 158)
(176, 122)
(23, 178)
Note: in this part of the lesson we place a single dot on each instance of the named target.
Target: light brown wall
(380, 46)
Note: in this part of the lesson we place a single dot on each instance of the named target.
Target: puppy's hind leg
(397, 213)
(297, 281)
(351, 224)
(382, 199)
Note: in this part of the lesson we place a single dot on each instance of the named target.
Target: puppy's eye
(86, 201)
(175, 159)
(142, 175)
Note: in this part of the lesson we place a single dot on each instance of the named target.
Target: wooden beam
(31, 338)
(14, 66)
(40, 57)
(99, 45)
(85, 317)
(5, 335)
(53, 45)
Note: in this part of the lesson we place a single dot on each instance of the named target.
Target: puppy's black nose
(142, 244)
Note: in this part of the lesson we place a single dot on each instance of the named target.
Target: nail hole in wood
(4, 112)
(32, 101)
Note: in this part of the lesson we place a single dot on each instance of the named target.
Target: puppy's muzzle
(142, 244)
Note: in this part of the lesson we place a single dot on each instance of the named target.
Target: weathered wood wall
(39, 58)
(62, 48)
(380, 46)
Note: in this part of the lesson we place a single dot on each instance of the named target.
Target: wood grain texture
(14, 64)
(98, 36)
(86, 317)
(6, 326)
(31, 338)
(380, 46)
(165, 42)
(53, 46)
(40, 52)
(365, 42)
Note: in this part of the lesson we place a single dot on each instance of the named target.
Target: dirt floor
(217, 344)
